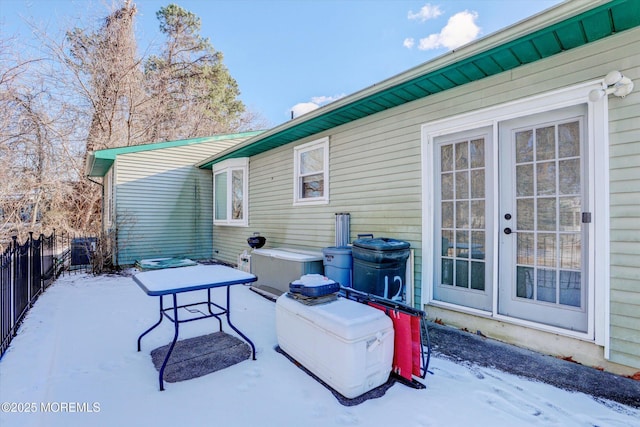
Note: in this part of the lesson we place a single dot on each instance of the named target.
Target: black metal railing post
(6, 300)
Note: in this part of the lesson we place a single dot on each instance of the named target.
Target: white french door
(543, 220)
(463, 227)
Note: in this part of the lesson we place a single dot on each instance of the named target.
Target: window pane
(447, 186)
(236, 196)
(462, 273)
(524, 214)
(220, 186)
(546, 285)
(477, 214)
(570, 288)
(526, 248)
(545, 143)
(569, 139)
(524, 180)
(311, 161)
(477, 276)
(477, 184)
(462, 244)
(462, 155)
(477, 244)
(447, 272)
(446, 158)
(570, 251)
(546, 255)
(477, 153)
(524, 285)
(569, 174)
(570, 213)
(447, 243)
(462, 214)
(462, 185)
(524, 146)
(312, 186)
(546, 174)
(547, 214)
(447, 214)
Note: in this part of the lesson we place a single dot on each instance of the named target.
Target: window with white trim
(231, 192)
(311, 173)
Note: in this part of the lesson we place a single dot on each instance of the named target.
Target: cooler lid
(381, 244)
(344, 318)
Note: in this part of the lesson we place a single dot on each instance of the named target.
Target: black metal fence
(26, 270)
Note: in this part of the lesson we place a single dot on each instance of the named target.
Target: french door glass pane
(524, 146)
(463, 214)
(569, 137)
(548, 214)
(570, 288)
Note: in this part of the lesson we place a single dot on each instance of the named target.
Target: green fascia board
(571, 24)
(100, 161)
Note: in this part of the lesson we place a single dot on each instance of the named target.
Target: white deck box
(276, 268)
(348, 345)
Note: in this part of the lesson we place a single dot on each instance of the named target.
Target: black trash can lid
(381, 244)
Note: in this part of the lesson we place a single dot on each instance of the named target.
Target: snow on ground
(74, 363)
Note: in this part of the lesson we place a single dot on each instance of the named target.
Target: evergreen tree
(192, 91)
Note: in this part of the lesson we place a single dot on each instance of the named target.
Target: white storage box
(276, 268)
(348, 345)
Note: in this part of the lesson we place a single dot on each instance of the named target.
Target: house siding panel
(164, 204)
(375, 173)
(624, 130)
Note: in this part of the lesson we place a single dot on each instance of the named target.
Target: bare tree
(91, 90)
(34, 157)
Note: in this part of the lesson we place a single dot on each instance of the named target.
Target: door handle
(507, 231)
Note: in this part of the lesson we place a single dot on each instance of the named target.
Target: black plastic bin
(379, 266)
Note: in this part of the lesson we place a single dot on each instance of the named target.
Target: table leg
(253, 348)
(176, 324)
(154, 326)
(211, 312)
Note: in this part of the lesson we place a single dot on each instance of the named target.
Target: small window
(230, 192)
(311, 173)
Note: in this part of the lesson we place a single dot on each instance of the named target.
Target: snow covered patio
(74, 363)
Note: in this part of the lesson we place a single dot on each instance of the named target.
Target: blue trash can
(338, 264)
(379, 266)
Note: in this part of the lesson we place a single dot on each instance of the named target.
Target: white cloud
(315, 103)
(427, 12)
(408, 42)
(460, 29)
(303, 108)
(322, 100)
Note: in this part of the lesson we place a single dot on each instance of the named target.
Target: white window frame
(297, 152)
(598, 148)
(228, 166)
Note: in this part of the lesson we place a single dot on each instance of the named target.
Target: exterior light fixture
(614, 83)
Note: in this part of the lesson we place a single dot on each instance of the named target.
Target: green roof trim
(100, 161)
(561, 28)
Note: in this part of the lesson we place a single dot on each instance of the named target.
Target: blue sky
(295, 55)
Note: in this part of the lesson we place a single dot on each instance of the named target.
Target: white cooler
(346, 344)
